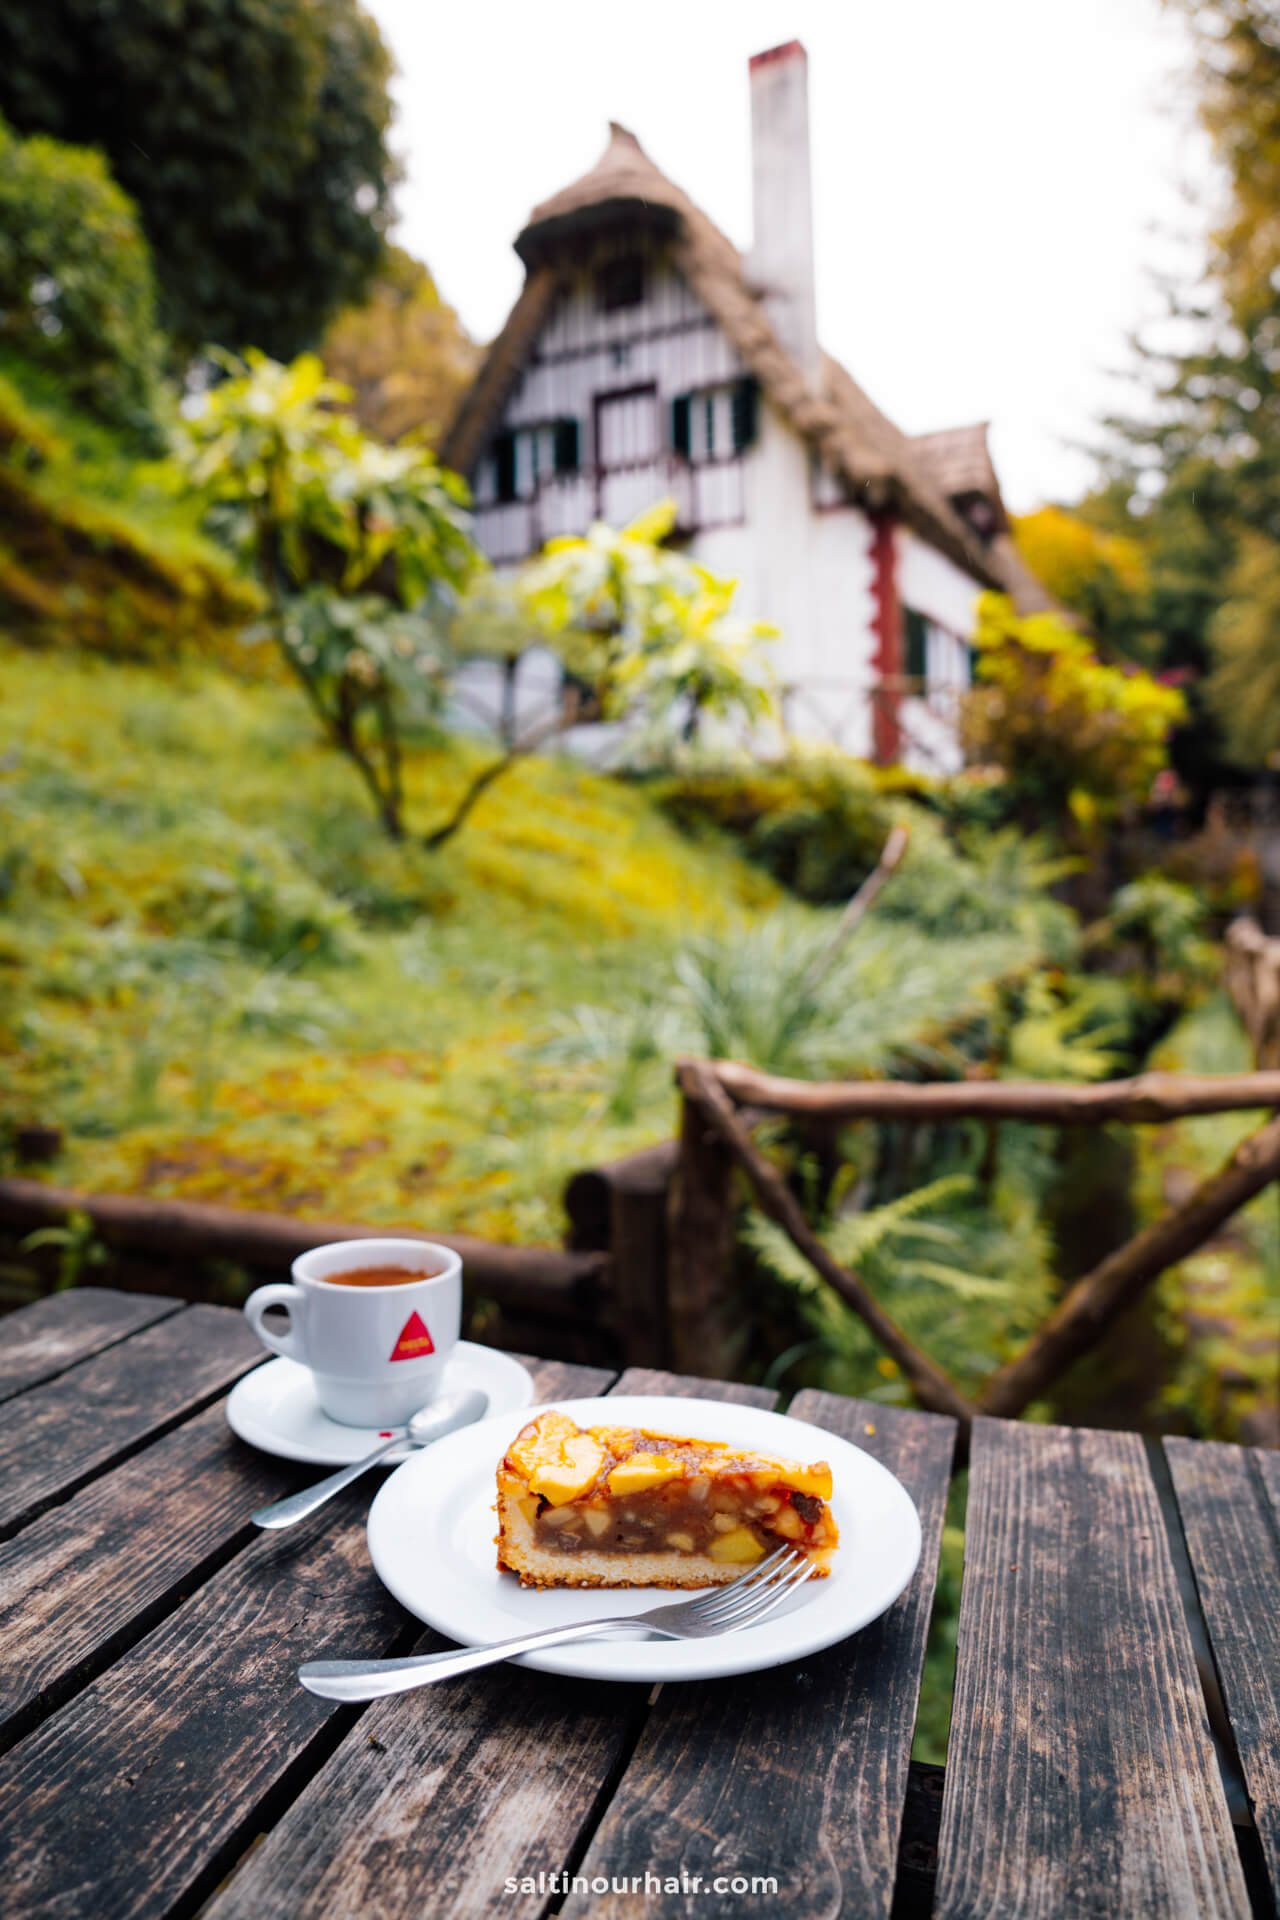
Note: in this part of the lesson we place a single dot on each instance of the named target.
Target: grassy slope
(220, 980)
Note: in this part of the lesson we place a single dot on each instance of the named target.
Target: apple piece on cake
(623, 1507)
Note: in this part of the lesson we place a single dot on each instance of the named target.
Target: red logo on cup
(415, 1343)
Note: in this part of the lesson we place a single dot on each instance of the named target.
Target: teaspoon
(445, 1415)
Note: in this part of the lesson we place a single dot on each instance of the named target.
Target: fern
(968, 1308)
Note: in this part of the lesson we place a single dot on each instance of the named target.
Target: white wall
(948, 597)
(809, 573)
(934, 585)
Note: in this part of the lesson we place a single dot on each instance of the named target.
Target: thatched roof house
(646, 356)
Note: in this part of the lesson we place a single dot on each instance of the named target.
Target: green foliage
(1193, 471)
(815, 820)
(1244, 633)
(944, 1267)
(756, 995)
(79, 1248)
(1219, 1310)
(648, 631)
(257, 900)
(1239, 100)
(96, 551)
(363, 552)
(1080, 742)
(1165, 923)
(172, 837)
(76, 289)
(982, 882)
(253, 139)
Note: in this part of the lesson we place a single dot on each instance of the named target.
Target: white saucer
(432, 1524)
(275, 1406)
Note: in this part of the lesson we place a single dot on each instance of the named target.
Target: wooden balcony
(708, 494)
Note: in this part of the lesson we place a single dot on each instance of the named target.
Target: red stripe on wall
(886, 738)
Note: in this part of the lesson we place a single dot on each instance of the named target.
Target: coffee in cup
(374, 1321)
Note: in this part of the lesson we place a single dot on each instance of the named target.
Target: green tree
(76, 288)
(250, 133)
(1194, 474)
(363, 552)
(404, 353)
(1245, 634)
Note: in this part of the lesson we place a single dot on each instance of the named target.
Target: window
(934, 659)
(746, 410)
(915, 646)
(716, 422)
(524, 458)
(620, 283)
(681, 425)
(504, 468)
(566, 446)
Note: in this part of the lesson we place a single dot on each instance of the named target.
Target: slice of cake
(621, 1507)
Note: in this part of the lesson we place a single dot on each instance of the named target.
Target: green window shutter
(680, 436)
(567, 458)
(504, 462)
(746, 413)
(915, 645)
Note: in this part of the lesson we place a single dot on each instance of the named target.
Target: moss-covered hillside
(220, 981)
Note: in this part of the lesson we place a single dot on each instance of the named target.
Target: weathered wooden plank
(429, 1803)
(1229, 1499)
(141, 1793)
(686, 1386)
(55, 1437)
(1080, 1777)
(90, 1576)
(46, 1338)
(798, 1775)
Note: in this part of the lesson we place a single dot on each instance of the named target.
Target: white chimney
(781, 261)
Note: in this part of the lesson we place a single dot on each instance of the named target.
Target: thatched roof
(958, 460)
(880, 465)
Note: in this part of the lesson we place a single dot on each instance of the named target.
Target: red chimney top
(789, 50)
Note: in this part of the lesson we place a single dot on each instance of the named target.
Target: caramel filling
(728, 1519)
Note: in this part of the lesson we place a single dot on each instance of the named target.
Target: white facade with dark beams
(646, 358)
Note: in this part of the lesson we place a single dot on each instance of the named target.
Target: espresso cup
(377, 1352)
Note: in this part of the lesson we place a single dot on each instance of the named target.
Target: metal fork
(725, 1609)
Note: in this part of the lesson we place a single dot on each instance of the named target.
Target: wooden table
(161, 1758)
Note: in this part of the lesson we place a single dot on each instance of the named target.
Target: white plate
(432, 1526)
(275, 1406)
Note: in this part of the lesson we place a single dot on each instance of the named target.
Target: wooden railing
(548, 1300)
(722, 1100)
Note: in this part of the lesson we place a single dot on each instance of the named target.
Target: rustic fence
(723, 1100)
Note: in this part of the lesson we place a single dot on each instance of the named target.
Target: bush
(1080, 741)
(816, 821)
(76, 289)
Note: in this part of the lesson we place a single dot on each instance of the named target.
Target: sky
(996, 183)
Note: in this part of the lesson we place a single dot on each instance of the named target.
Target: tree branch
(859, 906)
(486, 777)
(933, 1388)
(1095, 1302)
